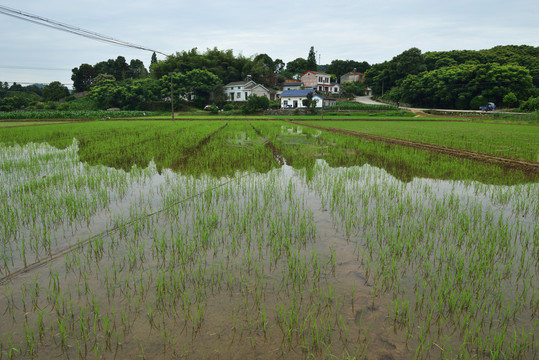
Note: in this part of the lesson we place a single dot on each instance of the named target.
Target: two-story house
(319, 81)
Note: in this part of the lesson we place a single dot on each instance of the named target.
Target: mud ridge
(526, 166)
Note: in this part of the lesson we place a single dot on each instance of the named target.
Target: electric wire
(36, 19)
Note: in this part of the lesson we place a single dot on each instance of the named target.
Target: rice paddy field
(264, 239)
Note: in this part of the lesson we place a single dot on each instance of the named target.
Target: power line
(36, 19)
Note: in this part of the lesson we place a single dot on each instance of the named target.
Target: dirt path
(526, 166)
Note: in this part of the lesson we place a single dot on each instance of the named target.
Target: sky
(372, 31)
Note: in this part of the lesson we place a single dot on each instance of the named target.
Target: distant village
(294, 92)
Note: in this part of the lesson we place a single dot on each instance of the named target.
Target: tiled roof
(315, 72)
(296, 92)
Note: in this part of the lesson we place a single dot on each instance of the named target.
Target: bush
(350, 105)
(256, 103)
(477, 102)
(232, 106)
(212, 108)
(532, 104)
(510, 100)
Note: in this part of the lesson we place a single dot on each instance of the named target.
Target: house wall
(351, 77)
(320, 82)
(260, 91)
(288, 102)
(315, 79)
(238, 92)
(327, 102)
(235, 93)
(329, 88)
(309, 80)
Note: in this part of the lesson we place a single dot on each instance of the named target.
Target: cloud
(362, 30)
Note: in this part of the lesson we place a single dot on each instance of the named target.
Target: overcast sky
(372, 31)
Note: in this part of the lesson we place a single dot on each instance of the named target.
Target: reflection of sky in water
(145, 194)
(501, 200)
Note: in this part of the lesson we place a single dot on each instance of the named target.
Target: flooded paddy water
(351, 249)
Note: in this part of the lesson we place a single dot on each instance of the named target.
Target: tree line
(462, 79)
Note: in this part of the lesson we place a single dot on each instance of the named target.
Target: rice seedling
(233, 253)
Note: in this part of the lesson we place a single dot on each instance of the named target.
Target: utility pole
(171, 96)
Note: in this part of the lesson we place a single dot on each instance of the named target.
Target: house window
(285, 103)
(246, 95)
(238, 95)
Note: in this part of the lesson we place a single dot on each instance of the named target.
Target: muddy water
(260, 266)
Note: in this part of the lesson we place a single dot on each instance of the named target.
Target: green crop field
(265, 239)
(509, 140)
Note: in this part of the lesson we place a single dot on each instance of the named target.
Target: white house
(320, 82)
(293, 99)
(324, 101)
(241, 90)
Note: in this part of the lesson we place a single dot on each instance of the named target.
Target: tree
(82, 77)
(310, 103)
(297, 66)
(136, 70)
(278, 66)
(55, 91)
(532, 104)
(355, 88)
(154, 59)
(106, 92)
(196, 85)
(341, 67)
(262, 70)
(256, 103)
(102, 78)
(510, 100)
(382, 77)
(465, 86)
(311, 60)
(222, 63)
(200, 84)
(121, 68)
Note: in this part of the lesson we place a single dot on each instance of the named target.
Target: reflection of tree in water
(403, 163)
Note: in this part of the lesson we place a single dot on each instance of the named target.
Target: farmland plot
(339, 252)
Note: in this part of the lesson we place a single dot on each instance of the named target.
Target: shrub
(478, 101)
(510, 100)
(532, 104)
(256, 103)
